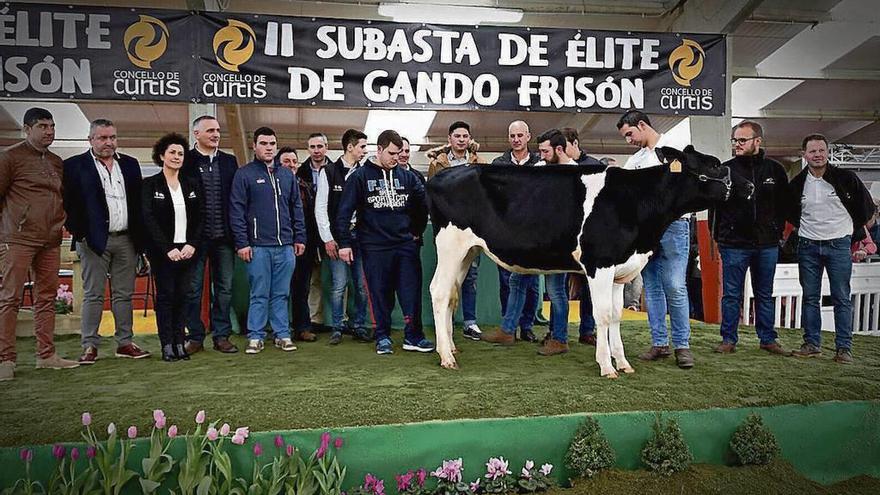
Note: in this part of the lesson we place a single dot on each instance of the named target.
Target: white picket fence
(865, 285)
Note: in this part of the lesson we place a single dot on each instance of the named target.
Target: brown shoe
(56, 362)
(191, 347)
(305, 336)
(807, 350)
(655, 353)
(775, 348)
(225, 346)
(89, 355)
(684, 359)
(552, 347)
(727, 348)
(499, 337)
(131, 351)
(587, 340)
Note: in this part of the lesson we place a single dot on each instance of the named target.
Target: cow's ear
(667, 154)
(689, 149)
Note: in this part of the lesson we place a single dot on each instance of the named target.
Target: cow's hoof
(628, 370)
(450, 365)
(613, 375)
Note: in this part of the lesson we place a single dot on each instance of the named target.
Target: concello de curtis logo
(234, 45)
(686, 62)
(145, 41)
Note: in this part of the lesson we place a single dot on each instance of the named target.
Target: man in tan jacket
(31, 218)
(461, 150)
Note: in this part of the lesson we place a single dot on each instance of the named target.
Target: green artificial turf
(349, 385)
(778, 478)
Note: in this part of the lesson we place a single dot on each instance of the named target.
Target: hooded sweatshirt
(390, 205)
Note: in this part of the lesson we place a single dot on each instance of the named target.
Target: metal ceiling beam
(824, 74)
(807, 114)
(709, 16)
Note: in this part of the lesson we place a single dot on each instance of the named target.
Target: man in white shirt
(308, 172)
(830, 206)
(665, 274)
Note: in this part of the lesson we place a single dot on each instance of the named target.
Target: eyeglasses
(742, 140)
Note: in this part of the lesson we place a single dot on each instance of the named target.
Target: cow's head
(713, 182)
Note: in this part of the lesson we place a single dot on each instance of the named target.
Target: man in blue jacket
(102, 197)
(266, 217)
(392, 213)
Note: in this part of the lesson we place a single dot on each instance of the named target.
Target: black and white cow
(565, 218)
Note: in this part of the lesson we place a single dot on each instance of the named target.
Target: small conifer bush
(666, 452)
(589, 451)
(754, 443)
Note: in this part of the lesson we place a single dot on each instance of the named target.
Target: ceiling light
(411, 124)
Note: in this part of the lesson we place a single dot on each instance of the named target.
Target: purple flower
(279, 442)
(243, 432)
(212, 434)
(172, 431)
(289, 451)
(27, 455)
(258, 449)
(370, 481)
(338, 442)
(86, 419)
(224, 430)
(475, 486)
(158, 415)
(421, 476)
(325, 443)
(450, 470)
(59, 451)
(74, 454)
(132, 432)
(379, 489)
(91, 452)
(404, 481)
(237, 439)
(496, 468)
(546, 468)
(200, 417)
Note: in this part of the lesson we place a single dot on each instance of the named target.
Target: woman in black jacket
(172, 218)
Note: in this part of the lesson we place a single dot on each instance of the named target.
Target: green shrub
(589, 451)
(666, 452)
(754, 443)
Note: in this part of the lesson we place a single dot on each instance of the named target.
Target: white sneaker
(254, 346)
(285, 344)
(472, 332)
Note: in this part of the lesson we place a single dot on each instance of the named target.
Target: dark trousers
(391, 271)
(173, 287)
(299, 291)
(220, 255)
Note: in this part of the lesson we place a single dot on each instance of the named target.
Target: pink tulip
(224, 430)
(91, 452)
(26, 455)
(132, 432)
(172, 431)
(111, 429)
(289, 450)
(237, 439)
(243, 431)
(338, 442)
(59, 451)
(86, 419)
(212, 434)
(200, 417)
(158, 414)
(160, 423)
(258, 449)
(279, 442)
(74, 454)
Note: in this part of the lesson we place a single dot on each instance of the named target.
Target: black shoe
(168, 354)
(336, 337)
(362, 335)
(472, 332)
(180, 352)
(528, 335)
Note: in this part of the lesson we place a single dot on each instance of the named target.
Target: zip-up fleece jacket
(439, 157)
(265, 208)
(506, 158)
(31, 211)
(756, 222)
(848, 187)
(390, 204)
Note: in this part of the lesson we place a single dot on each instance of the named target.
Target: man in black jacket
(102, 194)
(830, 206)
(748, 230)
(214, 170)
(308, 173)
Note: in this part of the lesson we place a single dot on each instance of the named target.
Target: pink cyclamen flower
(91, 452)
(224, 430)
(370, 481)
(172, 431)
(132, 432)
(74, 454)
(338, 442)
(111, 429)
(379, 489)
(237, 439)
(212, 434)
(243, 431)
(86, 419)
(200, 417)
(496, 468)
(526, 474)
(530, 464)
(404, 481)
(289, 451)
(59, 451)
(421, 476)
(475, 485)
(27, 455)
(546, 468)
(279, 442)
(258, 449)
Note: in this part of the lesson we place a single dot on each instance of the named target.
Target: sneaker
(655, 353)
(499, 337)
(285, 344)
(684, 359)
(472, 332)
(336, 337)
(89, 355)
(383, 346)
(423, 345)
(807, 350)
(362, 335)
(7, 370)
(587, 340)
(131, 351)
(843, 356)
(552, 347)
(254, 346)
(727, 348)
(56, 362)
(774, 348)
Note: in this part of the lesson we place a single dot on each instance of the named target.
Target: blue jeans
(469, 294)
(734, 263)
(221, 257)
(340, 273)
(666, 288)
(269, 273)
(834, 257)
(527, 318)
(588, 322)
(556, 289)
